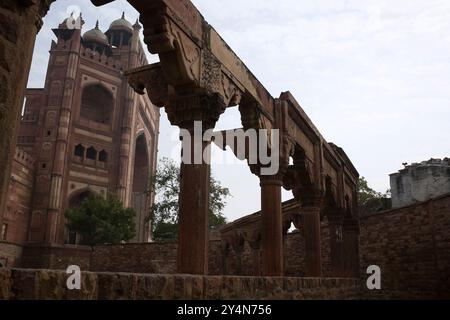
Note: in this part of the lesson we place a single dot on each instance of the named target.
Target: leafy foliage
(102, 220)
(370, 200)
(164, 213)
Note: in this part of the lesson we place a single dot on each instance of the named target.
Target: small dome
(96, 35)
(121, 24)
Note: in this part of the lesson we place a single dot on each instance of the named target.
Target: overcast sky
(374, 76)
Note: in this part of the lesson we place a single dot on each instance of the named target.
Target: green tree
(370, 200)
(101, 220)
(164, 212)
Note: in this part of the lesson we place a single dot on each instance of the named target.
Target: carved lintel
(152, 79)
(166, 35)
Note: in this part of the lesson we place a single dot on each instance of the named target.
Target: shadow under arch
(140, 188)
(74, 201)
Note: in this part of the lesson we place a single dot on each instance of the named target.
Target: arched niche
(97, 104)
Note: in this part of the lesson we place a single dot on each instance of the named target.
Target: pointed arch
(97, 104)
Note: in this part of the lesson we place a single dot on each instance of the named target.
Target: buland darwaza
(197, 78)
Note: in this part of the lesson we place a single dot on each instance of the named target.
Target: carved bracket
(151, 78)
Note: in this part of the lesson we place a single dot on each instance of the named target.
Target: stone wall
(411, 245)
(48, 284)
(10, 254)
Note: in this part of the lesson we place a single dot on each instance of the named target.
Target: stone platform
(18, 284)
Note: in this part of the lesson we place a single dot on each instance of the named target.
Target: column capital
(310, 198)
(184, 110)
(276, 179)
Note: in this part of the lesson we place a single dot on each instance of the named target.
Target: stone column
(310, 210)
(194, 198)
(194, 114)
(335, 221)
(272, 226)
(21, 21)
(351, 247)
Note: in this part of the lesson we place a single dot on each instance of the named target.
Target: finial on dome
(137, 25)
(81, 19)
(123, 14)
(96, 25)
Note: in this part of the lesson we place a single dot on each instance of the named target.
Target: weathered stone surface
(419, 182)
(5, 284)
(51, 284)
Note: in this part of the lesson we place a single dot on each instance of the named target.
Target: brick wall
(161, 258)
(56, 257)
(18, 202)
(411, 245)
(138, 258)
(50, 284)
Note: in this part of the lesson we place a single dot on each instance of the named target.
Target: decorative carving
(211, 72)
(151, 78)
(182, 111)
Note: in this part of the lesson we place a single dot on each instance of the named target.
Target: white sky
(374, 76)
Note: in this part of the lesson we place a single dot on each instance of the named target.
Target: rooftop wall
(420, 181)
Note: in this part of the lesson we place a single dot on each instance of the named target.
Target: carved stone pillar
(272, 226)
(335, 221)
(195, 175)
(21, 20)
(351, 247)
(310, 211)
